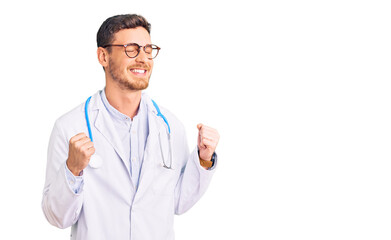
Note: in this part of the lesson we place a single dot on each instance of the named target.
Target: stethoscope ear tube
(171, 155)
(159, 114)
(166, 163)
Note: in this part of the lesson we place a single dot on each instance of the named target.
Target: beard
(123, 80)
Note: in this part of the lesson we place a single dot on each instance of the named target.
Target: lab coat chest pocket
(165, 179)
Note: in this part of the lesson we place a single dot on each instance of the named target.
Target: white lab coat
(106, 207)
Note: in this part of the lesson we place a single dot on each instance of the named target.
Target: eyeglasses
(132, 50)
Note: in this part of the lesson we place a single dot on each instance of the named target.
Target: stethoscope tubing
(159, 114)
(88, 119)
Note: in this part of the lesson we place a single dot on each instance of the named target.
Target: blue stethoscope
(96, 161)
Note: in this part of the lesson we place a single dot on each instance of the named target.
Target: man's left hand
(207, 141)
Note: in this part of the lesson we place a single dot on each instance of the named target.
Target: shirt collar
(117, 114)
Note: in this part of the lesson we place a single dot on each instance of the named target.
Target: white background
(299, 91)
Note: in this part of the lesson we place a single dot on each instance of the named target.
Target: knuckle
(84, 153)
(77, 145)
(82, 148)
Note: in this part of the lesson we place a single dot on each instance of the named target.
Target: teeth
(138, 71)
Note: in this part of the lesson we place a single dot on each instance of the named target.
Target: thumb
(199, 126)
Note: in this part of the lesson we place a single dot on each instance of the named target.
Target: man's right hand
(80, 151)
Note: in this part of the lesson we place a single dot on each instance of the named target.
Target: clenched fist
(207, 141)
(80, 151)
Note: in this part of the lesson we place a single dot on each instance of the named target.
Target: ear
(103, 56)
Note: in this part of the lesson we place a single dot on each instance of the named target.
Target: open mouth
(139, 72)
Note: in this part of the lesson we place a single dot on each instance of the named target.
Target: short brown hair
(116, 23)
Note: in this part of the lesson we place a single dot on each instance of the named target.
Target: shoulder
(78, 113)
(72, 115)
(74, 121)
(71, 122)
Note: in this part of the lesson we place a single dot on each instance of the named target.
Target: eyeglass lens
(133, 49)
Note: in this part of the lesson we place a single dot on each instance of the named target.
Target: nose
(142, 56)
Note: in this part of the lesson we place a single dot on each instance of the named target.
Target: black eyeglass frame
(138, 48)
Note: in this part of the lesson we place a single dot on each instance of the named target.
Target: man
(119, 165)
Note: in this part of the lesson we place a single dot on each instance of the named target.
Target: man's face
(130, 73)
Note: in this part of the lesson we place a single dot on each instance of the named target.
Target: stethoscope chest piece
(96, 161)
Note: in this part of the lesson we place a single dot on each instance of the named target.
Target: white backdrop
(299, 91)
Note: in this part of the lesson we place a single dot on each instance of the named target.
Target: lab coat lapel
(105, 126)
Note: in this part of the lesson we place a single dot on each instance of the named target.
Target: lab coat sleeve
(60, 204)
(193, 180)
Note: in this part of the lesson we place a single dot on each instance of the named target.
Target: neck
(125, 101)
